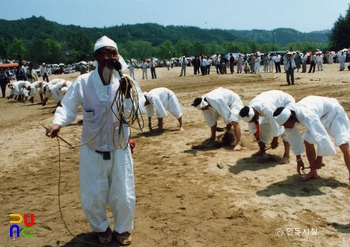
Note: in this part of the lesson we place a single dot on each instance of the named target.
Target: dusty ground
(183, 198)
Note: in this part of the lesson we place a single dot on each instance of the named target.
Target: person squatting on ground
(162, 99)
(38, 86)
(259, 116)
(106, 165)
(225, 103)
(20, 90)
(59, 89)
(322, 116)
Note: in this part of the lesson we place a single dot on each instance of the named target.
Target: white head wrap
(283, 116)
(202, 104)
(250, 116)
(105, 41)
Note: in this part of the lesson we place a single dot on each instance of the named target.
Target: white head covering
(250, 116)
(105, 41)
(202, 104)
(283, 116)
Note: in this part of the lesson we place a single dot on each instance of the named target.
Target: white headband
(283, 116)
(105, 41)
(250, 116)
(202, 104)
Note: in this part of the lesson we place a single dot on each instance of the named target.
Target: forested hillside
(28, 38)
(39, 27)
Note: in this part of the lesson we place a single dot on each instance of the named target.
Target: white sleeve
(67, 113)
(295, 140)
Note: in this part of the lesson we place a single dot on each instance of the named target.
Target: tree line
(39, 40)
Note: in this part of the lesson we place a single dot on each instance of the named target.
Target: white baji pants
(105, 182)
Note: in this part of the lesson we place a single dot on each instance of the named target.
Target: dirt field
(183, 198)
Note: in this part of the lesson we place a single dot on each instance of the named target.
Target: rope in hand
(119, 100)
(130, 91)
(59, 196)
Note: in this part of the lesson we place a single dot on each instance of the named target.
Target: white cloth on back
(321, 116)
(223, 103)
(265, 104)
(163, 99)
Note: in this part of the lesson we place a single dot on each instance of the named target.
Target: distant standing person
(144, 67)
(277, 60)
(44, 74)
(82, 69)
(208, 64)
(297, 60)
(31, 74)
(4, 80)
(341, 59)
(203, 62)
(218, 64)
(257, 61)
(183, 63)
(20, 73)
(152, 65)
(289, 65)
(266, 62)
(232, 63)
(223, 62)
(312, 63)
(239, 63)
(271, 63)
(132, 69)
(303, 57)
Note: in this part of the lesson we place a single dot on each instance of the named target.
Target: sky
(301, 15)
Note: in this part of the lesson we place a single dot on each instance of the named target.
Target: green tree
(3, 48)
(198, 48)
(213, 48)
(48, 51)
(34, 50)
(165, 50)
(184, 48)
(17, 49)
(339, 36)
(80, 43)
(53, 50)
(139, 49)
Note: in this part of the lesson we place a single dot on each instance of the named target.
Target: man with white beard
(108, 102)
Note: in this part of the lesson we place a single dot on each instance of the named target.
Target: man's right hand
(53, 130)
